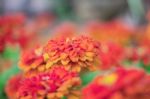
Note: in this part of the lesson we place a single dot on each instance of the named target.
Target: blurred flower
(75, 54)
(145, 57)
(112, 55)
(139, 54)
(32, 61)
(2, 44)
(55, 84)
(13, 30)
(115, 31)
(132, 54)
(121, 84)
(12, 86)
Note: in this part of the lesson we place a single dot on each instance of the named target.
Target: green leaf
(87, 77)
(6, 75)
(11, 53)
(64, 97)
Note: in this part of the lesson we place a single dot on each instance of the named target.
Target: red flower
(13, 30)
(2, 44)
(12, 86)
(112, 55)
(139, 53)
(122, 84)
(145, 57)
(52, 85)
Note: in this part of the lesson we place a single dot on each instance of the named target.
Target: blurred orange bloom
(32, 61)
(114, 31)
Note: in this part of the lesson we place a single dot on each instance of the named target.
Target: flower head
(12, 86)
(55, 84)
(32, 61)
(121, 84)
(112, 55)
(14, 30)
(75, 53)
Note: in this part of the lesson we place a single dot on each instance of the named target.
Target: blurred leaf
(141, 65)
(11, 53)
(87, 77)
(147, 69)
(64, 97)
(7, 74)
(4, 77)
(2, 95)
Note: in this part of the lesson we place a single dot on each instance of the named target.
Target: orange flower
(121, 84)
(114, 31)
(12, 86)
(32, 61)
(74, 54)
(52, 85)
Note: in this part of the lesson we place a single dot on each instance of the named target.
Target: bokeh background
(25, 24)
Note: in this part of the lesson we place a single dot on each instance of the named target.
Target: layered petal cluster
(75, 53)
(55, 84)
(121, 84)
(32, 61)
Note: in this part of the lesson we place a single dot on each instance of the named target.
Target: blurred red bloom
(13, 30)
(122, 84)
(12, 86)
(2, 44)
(145, 57)
(112, 55)
(52, 85)
(139, 54)
(75, 53)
